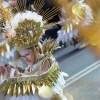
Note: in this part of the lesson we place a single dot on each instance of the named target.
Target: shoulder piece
(49, 46)
(29, 83)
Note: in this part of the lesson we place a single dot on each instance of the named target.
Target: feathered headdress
(25, 28)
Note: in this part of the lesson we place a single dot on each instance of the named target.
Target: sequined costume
(43, 80)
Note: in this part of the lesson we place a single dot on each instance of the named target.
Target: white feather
(66, 37)
(8, 47)
(60, 83)
(20, 17)
(89, 16)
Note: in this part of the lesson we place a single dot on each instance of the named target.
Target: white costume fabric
(56, 89)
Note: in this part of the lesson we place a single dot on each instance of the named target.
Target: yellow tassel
(32, 88)
(6, 89)
(17, 90)
(12, 90)
(24, 90)
(27, 89)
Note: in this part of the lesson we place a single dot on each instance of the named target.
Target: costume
(24, 30)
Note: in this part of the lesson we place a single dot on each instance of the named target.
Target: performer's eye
(25, 55)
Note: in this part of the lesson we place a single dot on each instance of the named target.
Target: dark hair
(6, 65)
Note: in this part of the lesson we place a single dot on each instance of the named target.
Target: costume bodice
(36, 68)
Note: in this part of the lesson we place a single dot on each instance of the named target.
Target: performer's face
(29, 55)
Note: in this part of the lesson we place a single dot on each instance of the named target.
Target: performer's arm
(46, 65)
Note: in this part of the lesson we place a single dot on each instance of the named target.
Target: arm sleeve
(12, 72)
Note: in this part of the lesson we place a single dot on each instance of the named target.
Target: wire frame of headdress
(37, 7)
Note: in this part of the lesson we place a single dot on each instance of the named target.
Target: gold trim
(22, 85)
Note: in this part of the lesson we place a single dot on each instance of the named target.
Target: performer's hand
(8, 69)
(17, 73)
(2, 70)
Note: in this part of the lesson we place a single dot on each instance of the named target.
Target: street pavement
(83, 68)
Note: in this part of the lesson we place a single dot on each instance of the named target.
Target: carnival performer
(42, 79)
(75, 14)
